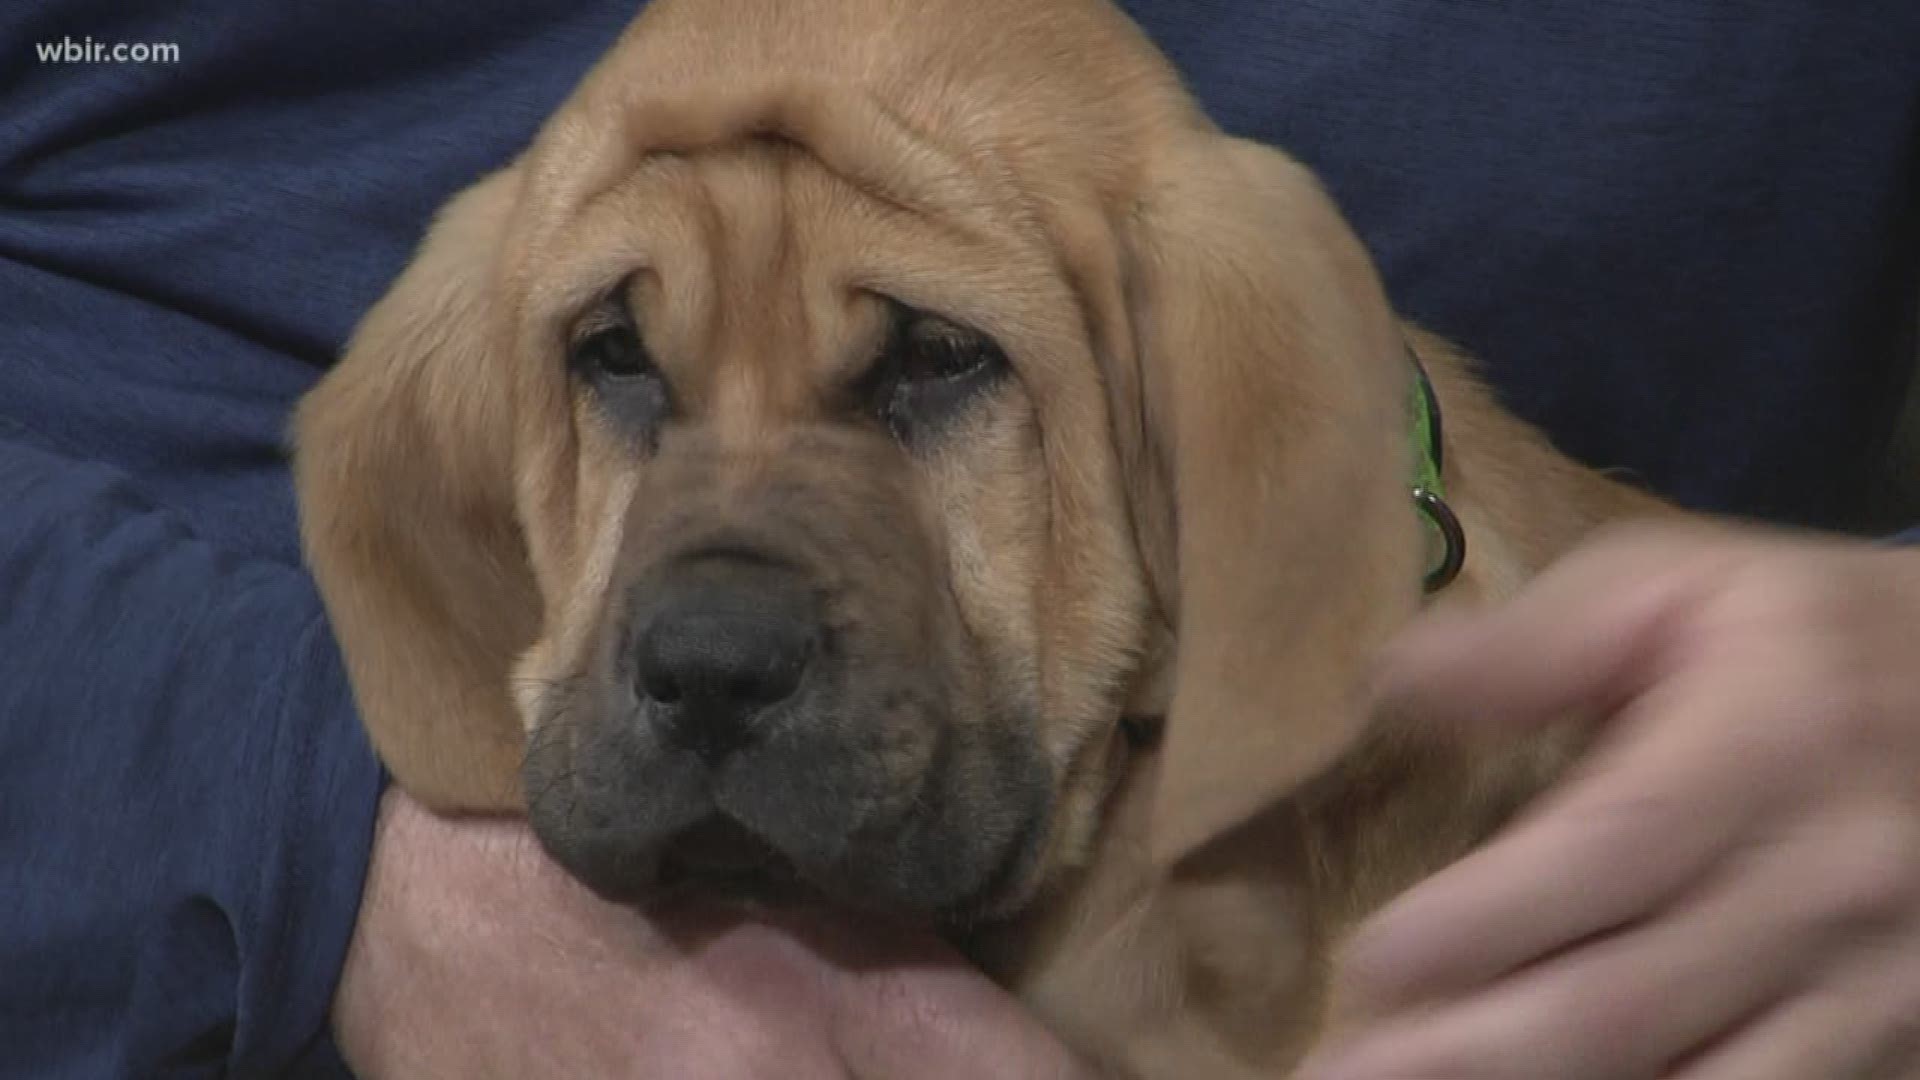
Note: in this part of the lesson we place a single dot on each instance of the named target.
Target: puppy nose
(723, 644)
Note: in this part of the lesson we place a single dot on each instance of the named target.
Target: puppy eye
(613, 364)
(614, 352)
(946, 354)
(931, 370)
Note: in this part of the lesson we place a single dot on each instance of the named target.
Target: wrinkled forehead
(748, 257)
(727, 250)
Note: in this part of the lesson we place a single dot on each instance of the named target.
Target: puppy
(900, 452)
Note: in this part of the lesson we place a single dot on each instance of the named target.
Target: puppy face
(801, 610)
(773, 478)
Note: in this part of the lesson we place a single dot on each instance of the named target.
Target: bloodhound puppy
(901, 452)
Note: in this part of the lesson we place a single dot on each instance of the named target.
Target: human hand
(1728, 887)
(477, 957)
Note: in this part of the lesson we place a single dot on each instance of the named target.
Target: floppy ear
(404, 469)
(1271, 476)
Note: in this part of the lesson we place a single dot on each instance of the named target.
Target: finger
(1628, 1004)
(1862, 1025)
(903, 1003)
(888, 1001)
(945, 1023)
(1578, 638)
(760, 1005)
(1649, 815)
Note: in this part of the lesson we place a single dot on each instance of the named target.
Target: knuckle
(1626, 822)
(1854, 723)
(1872, 869)
(1809, 704)
(1786, 634)
(1623, 838)
(1599, 1017)
(1796, 733)
(1800, 603)
(1501, 1055)
(1796, 592)
(1820, 730)
(1825, 676)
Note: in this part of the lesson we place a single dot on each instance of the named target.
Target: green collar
(1429, 485)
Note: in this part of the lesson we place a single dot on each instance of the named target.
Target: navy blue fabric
(1682, 233)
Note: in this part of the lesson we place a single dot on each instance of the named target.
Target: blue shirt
(1682, 234)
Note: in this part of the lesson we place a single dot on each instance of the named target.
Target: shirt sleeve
(186, 798)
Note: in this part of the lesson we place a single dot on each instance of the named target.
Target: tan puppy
(791, 470)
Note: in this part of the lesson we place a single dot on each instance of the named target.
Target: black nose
(723, 640)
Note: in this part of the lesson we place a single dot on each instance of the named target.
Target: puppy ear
(1272, 467)
(404, 470)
